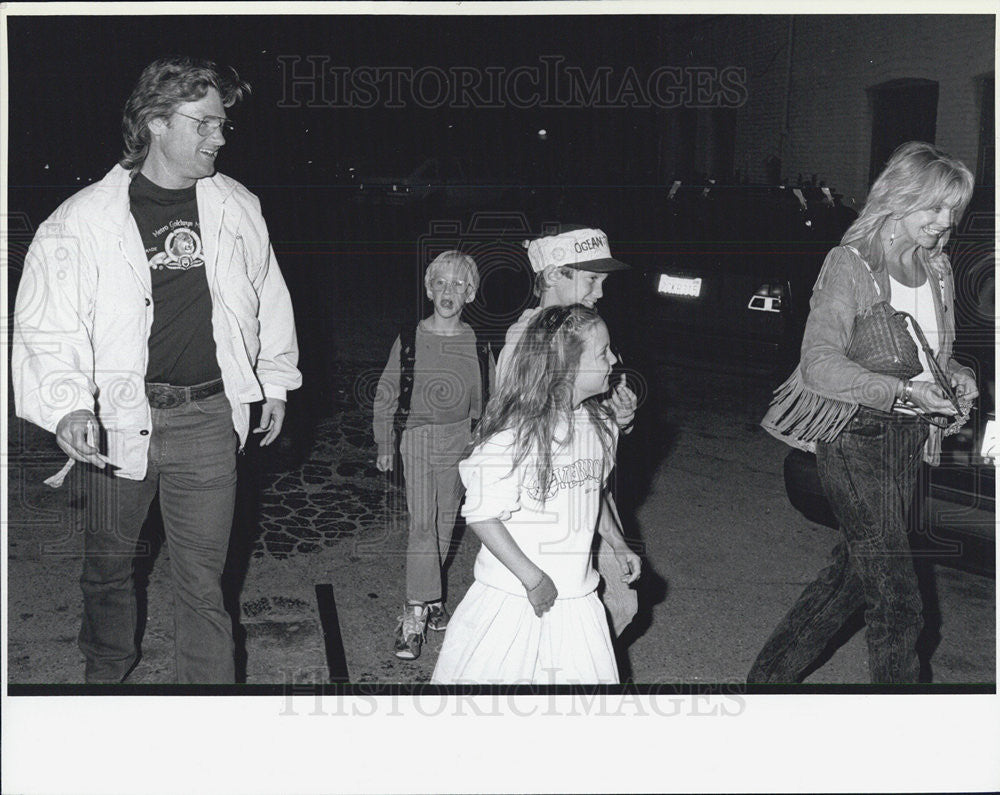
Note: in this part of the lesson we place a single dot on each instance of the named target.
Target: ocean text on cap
(597, 241)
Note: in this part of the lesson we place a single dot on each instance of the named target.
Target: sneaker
(437, 616)
(410, 632)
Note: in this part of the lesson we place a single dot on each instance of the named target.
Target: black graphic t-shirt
(181, 346)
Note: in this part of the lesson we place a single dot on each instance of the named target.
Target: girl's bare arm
(540, 589)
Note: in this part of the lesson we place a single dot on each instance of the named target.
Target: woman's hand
(929, 398)
(964, 383)
(383, 463)
(542, 595)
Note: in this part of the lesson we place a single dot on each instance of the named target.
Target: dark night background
(70, 77)
(354, 272)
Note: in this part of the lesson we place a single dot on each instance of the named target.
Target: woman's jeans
(868, 474)
(192, 462)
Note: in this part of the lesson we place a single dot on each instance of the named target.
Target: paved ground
(726, 554)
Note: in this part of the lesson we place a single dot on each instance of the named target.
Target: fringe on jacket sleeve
(799, 417)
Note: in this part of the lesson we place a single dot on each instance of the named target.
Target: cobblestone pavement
(332, 496)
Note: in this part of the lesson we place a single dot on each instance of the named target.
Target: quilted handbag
(880, 342)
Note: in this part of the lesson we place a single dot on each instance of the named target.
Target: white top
(556, 535)
(514, 334)
(919, 302)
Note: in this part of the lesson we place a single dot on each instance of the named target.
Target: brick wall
(834, 61)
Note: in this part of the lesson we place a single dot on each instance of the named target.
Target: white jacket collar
(111, 205)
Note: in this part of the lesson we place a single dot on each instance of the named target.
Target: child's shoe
(410, 632)
(437, 616)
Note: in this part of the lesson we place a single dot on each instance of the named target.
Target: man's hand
(383, 463)
(964, 384)
(272, 417)
(623, 402)
(630, 563)
(542, 595)
(76, 435)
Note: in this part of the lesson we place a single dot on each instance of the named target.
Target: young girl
(535, 486)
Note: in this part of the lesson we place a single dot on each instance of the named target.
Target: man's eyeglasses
(210, 124)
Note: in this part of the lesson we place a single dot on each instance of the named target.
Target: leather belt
(165, 396)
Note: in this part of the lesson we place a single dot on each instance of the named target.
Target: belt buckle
(163, 397)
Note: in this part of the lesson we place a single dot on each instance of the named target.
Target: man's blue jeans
(868, 474)
(192, 461)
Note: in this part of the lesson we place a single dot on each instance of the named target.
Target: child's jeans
(434, 491)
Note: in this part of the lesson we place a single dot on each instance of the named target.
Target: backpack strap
(483, 354)
(407, 359)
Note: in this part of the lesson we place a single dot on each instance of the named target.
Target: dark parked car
(954, 520)
(732, 270)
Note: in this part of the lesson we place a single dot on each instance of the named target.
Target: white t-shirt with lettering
(556, 532)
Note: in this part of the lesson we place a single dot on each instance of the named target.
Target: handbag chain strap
(936, 370)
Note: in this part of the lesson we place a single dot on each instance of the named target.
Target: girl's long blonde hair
(536, 396)
(918, 176)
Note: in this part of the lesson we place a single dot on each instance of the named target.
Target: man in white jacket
(150, 314)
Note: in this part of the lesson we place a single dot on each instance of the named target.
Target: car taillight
(769, 297)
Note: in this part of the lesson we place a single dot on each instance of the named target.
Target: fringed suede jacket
(826, 389)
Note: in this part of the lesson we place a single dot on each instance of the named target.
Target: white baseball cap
(575, 247)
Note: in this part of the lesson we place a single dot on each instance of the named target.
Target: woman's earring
(892, 237)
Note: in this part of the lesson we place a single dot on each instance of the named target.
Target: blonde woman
(869, 430)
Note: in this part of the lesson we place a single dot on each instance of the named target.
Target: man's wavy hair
(163, 86)
(536, 397)
(918, 176)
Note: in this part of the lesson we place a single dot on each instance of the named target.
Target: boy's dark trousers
(434, 492)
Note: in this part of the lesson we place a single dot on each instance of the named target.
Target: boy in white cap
(570, 268)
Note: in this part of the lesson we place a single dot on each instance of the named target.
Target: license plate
(679, 285)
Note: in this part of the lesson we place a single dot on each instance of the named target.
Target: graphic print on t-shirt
(564, 477)
(181, 248)
(181, 339)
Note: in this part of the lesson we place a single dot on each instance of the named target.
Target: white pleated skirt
(495, 638)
